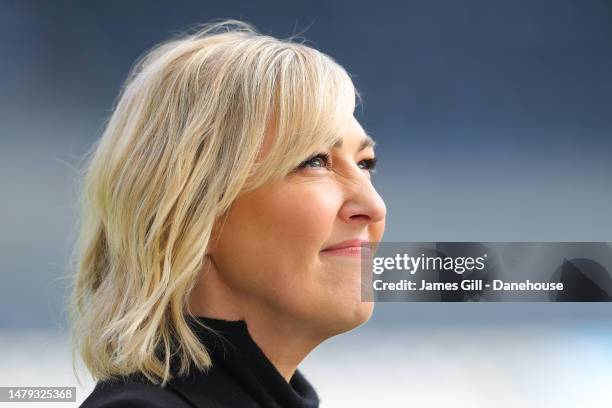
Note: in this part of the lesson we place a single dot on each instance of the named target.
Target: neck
(285, 343)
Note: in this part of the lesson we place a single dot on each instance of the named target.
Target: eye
(368, 164)
(318, 160)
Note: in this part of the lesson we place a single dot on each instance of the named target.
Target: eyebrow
(366, 142)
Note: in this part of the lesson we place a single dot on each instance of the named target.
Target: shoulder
(133, 393)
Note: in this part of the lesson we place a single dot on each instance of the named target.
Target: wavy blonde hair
(184, 139)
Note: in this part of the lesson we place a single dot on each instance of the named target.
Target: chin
(352, 317)
(364, 313)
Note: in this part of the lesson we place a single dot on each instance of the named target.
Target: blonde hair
(184, 139)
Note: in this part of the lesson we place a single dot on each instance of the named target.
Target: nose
(363, 204)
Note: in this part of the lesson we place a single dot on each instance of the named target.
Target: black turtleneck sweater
(241, 376)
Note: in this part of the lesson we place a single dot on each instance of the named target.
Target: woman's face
(270, 251)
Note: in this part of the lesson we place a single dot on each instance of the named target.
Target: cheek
(301, 220)
(276, 234)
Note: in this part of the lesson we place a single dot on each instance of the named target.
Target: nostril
(359, 217)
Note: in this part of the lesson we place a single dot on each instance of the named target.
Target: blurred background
(493, 122)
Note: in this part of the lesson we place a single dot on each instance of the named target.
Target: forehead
(355, 135)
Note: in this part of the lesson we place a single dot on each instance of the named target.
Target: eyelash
(370, 163)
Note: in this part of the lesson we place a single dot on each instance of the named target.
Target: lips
(351, 243)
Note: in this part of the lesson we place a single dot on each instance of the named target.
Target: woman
(224, 211)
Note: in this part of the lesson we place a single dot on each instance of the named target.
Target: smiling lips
(352, 247)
